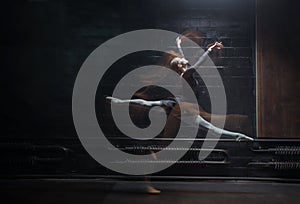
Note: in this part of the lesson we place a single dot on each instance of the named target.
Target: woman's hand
(216, 45)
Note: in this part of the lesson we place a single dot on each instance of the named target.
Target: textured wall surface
(278, 70)
(45, 43)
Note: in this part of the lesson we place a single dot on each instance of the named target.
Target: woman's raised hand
(216, 45)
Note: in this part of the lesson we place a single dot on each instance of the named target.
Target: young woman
(235, 124)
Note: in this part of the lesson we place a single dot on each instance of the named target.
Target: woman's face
(180, 64)
(181, 67)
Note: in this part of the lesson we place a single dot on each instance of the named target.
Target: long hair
(168, 57)
(193, 35)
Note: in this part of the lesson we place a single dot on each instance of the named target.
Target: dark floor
(113, 191)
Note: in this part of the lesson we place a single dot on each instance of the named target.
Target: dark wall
(278, 69)
(44, 44)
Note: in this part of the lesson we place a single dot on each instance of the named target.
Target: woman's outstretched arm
(137, 101)
(168, 103)
(216, 45)
(178, 43)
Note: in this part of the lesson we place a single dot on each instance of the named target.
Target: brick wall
(45, 43)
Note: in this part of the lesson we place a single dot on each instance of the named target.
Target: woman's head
(175, 62)
(179, 64)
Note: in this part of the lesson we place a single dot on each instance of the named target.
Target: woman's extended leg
(201, 119)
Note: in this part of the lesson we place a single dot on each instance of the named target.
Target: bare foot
(152, 190)
(242, 136)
